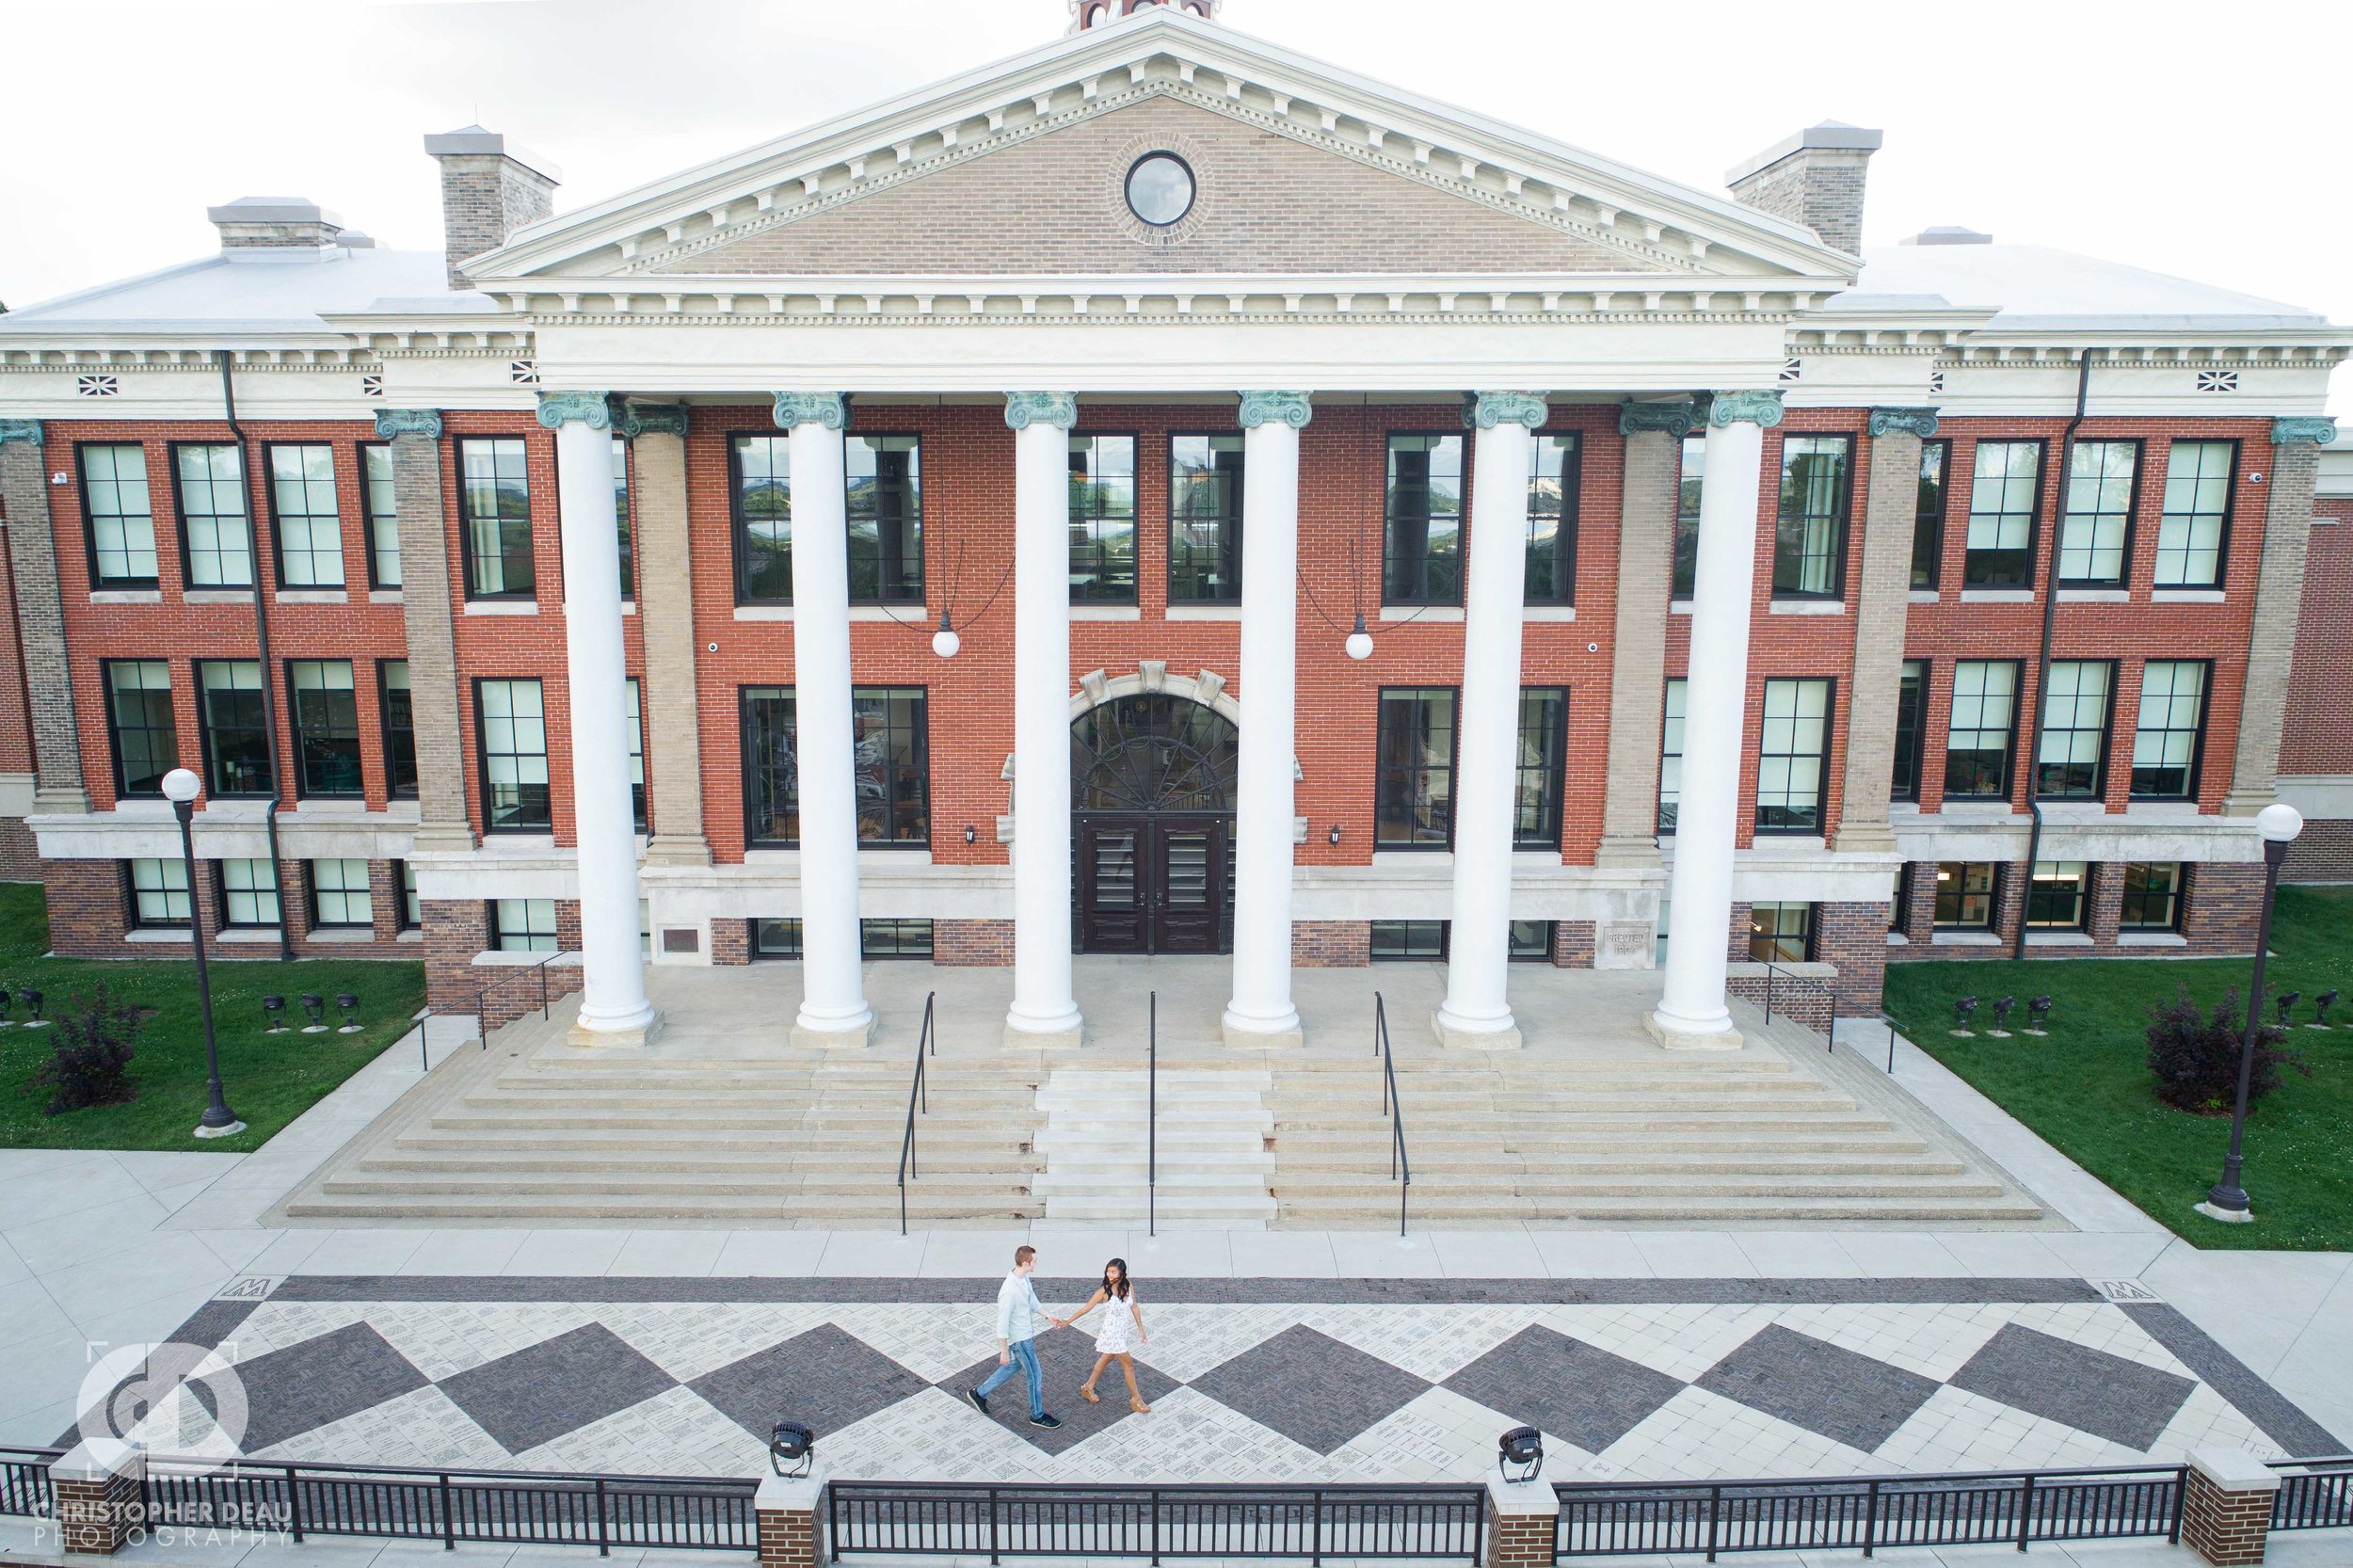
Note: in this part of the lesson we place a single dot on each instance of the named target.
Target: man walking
(1018, 1311)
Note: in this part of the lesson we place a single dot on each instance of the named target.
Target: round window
(1159, 188)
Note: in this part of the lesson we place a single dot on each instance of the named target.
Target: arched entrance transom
(1152, 802)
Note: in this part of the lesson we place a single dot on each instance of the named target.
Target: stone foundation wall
(90, 916)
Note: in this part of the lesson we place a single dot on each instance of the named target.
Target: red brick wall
(965, 943)
(459, 929)
(1331, 944)
(1573, 944)
(90, 916)
(2220, 907)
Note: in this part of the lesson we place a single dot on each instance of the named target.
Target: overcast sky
(2165, 134)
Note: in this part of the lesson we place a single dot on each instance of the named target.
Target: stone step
(869, 1124)
(684, 1184)
(1167, 1211)
(1686, 1184)
(1057, 1180)
(813, 1210)
(1477, 1153)
(406, 1158)
(458, 1132)
(1777, 1211)
(1507, 1168)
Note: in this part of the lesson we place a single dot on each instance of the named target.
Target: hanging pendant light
(1359, 644)
(945, 641)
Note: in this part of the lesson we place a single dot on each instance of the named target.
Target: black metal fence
(2315, 1494)
(25, 1481)
(1155, 1522)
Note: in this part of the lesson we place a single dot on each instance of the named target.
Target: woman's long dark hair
(1121, 1264)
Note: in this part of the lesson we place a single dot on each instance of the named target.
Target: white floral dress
(1119, 1316)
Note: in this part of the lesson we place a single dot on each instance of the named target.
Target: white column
(1478, 943)
(1261, 1013)
(612, 1009)
(1043, 1013)
(1692, 1013)
(833, 995)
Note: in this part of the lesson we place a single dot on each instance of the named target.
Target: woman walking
(1121, 1320)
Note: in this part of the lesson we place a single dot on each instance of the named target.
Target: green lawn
(270, 1079)
(2088, 1090)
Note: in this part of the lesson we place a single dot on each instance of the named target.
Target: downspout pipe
(2042, 659)
(261, 640)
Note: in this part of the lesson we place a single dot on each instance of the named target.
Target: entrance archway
(1152, 831)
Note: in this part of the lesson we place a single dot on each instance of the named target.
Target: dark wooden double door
(1148, 883)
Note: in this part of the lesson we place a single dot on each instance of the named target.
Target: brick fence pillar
(2225, 1506)
(790, 1511)
(1523, 1522)
(99, 1504)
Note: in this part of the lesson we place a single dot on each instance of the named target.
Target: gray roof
(261, 290)
(2034, 286)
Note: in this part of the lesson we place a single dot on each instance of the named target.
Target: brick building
(1379, 532)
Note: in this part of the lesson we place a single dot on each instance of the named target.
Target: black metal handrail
(926, 1044)
(1836, 998)
(1401, 1167)
(1985, 1508)
(1152, 1116)
(482, 1005)
(25, 1486)
(968, 1518)
(2315, 1494)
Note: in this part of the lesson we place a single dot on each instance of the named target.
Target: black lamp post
(181, 787)
(2279, 823)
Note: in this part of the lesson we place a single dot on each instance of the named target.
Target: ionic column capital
(1506, 407)
(651, 419)
(1904, 421)
(393, 422)
(1025, 408)
(2318, 429)
(1758, 407)
(825, 408)
(1284, 408)
(591, 408)
(29, 430)
(1672, 418)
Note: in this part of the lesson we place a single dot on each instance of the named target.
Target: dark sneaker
(977, 1399)
(1050, 1423)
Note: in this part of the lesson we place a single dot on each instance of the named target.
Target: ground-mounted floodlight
(2287, 1005)
(274, 1014)
(1520, 1454)
(32, 1004)
(347, 1003)
(792, 1444)
(1962, 1011)
(2321, 1004)
(2039, 1016)
(314, 1006)
(2001, 1016)
(6, 1003)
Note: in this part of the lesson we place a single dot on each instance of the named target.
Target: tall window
(400, 727)
(2166, 737)
(138, 710)
(159, 892)
(310, 528)
(886, 510)
(1965, 895)
(326, 726)
(1927, 514)
(1542, 769)
(236, 742)
(2153, 896)
(636, 756)
(411, 905)
(248, 893)
(1793, 757)
(763, 518)
(1414, 783)
(339, 894)
(1395, 941)
(1422, 544)
(2004, 494)
(216, 533)
(625, 521)
(2096, 528)
(1688, 486)
(375, 469)
(1780, 932)
(522, 924)
(2197, 517)
(2070, 764)
(1103, 520)
(890, 761)
(1552, 492)
(2057, 895)
(1985, 714)
(495, 489)
(1204, 478)
(1670, 757)
(513, 734)
(1810, 536)
(121, 526)
(1910, 702)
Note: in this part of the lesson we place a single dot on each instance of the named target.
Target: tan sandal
(1139, 1407)
(1088, 1394)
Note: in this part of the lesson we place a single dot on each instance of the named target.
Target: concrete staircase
(551, 1135)
(1522, 1137)
(1214, 1167)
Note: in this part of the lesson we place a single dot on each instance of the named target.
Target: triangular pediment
(1301, 170)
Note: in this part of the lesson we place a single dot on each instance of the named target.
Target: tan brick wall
(33, 572)
(1890, 503)
(1638, 673)
(666, 616)
(485, 197)
(2271, 647)
(426, 593)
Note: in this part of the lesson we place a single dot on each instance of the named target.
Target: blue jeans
(1025, 1362)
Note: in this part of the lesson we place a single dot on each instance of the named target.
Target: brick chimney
(274, 222)
(492, 186)
(1814, 177)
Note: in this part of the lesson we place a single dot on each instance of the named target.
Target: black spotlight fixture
(2039, 1016)
(274, 1014)
(348, 1004)
(971, 833)
(32, 1004)
(315, 1005)
(2001, 1015)
(7, 1002)
(2287, 1000)
(792, 1444)
(1520, 1453)
(1962, 1011)
(2321, 1004)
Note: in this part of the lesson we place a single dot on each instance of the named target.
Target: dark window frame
(2198, 745)
(2035, 564)
(2009, 743)
(179, 520)
(747, 762)
(1843, 516)
(625, 514)
(310, 892)
(2174, 897)
(1916, 687)
(1821, 772)
(1563, 589)
(221, 891)
(908, 591)
(132, 918)
(498, 932)
(393, 789)
(1992, 893)
(1135, 447)
(482, 756)
(2132, 514)
(1453, 765)
(1663, 825)
(868, 932)
(1552, 790)
(370, 517)
(1461, 515)
(276, 520)
(780, 954)
(2082, 921)
(1685, 546)
(1230, 526)
(1408, 930)
(295, 734)
(402, 920)
(2107, 734)
(205, 731)
(1549, 939)
(1933, 522)
(1809, 931)
(739, 526)
(467, 556)
(114, 726)
(98, 581)
(2229, 514)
